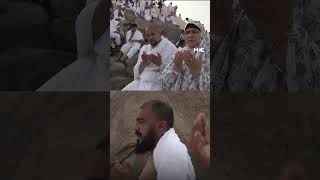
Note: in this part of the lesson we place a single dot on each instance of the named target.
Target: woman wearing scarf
(266, 46)
(89, 71)
(189, 69)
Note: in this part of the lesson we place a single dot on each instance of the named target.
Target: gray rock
(24, 25)
(117, 69)
(117, 83)
(27, 69)
(113, 58)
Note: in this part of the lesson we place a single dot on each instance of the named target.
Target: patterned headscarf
(185, 80)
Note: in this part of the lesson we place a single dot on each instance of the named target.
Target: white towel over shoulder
(171, 158)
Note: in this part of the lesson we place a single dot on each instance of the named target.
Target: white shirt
(113, 25)
(137, 36)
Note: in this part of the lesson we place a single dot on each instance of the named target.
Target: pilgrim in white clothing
(171, 158)
(147, 14)
(113, 33)
(149, 78)
(132, 45)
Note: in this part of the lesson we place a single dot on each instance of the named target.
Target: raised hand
(178, 59)
(200, 141)
(145, 58)
(156, 59)
(193, 63)
(122, 171)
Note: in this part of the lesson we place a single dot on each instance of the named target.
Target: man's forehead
(152, 29)
(145, 111)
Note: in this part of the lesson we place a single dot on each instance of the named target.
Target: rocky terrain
(37, 40)
(125, 106)
(120, 76)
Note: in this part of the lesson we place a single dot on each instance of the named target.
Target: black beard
(147, 143)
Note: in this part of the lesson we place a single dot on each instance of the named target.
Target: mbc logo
(198, 50)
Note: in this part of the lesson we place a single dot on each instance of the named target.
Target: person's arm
(156, 59)
(142, 66)
(200, 141)
(167, 78)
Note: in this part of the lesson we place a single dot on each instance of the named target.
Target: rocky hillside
(125, 106)
(120, 77)
(37, 40)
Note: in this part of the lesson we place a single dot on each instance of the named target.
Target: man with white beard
(153, 58)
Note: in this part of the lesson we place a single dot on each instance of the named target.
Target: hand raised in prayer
(193, 63)
(178, 59)
(122, 171)
(200, 141)
(155, 59)
(145, 58)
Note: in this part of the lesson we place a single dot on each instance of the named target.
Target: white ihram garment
(149, 78)
(171, 158)
(131, 48)
(147, 15)
(113, 28)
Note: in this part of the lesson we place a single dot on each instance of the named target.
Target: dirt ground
(255, 136)
(50, 136)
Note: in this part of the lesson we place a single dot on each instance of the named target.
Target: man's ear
(162, 125)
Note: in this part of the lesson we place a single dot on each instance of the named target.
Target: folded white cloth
(171, 158)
